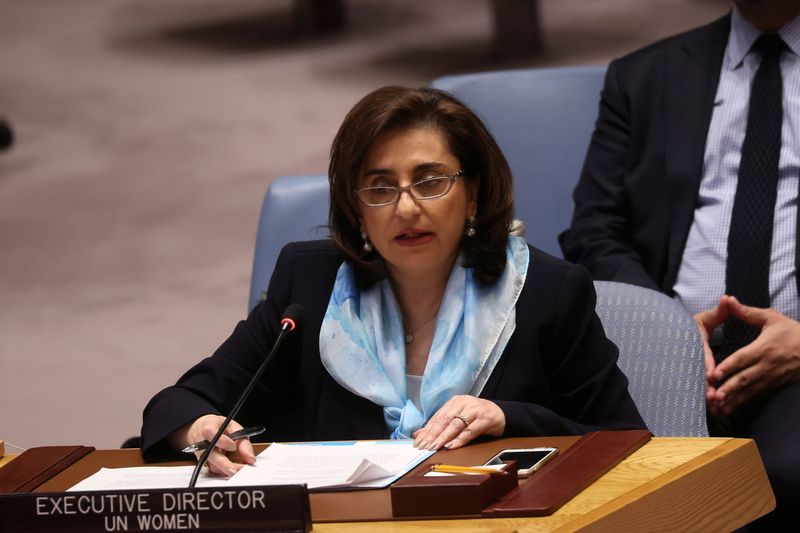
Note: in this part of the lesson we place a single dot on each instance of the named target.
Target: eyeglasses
(427, 189)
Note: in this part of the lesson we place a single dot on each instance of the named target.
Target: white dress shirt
(701, 275)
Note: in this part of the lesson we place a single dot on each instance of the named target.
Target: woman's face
(415, 236)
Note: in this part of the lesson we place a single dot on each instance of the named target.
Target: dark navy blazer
(557, 375)
(635, 201)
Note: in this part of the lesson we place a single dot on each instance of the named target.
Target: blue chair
(661, 353)
(660, 349)
(543, 120)
(295, 208)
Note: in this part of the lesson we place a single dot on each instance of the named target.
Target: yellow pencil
(455, 469)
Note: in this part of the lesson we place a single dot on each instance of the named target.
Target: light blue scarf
(361, 339)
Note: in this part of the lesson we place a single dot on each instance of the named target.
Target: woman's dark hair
(400, 108)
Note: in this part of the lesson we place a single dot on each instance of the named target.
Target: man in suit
(663, 202)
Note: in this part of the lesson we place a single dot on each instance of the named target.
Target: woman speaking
(424, 319)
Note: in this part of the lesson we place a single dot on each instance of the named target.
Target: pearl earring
(367, 247)
(470, 231)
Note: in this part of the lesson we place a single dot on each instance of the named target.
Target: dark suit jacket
(557, 376)
(635, 201)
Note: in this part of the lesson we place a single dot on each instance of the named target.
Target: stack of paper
(323, 465)
(363, 464)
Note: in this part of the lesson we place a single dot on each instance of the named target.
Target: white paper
(148, 477)
(362, 464)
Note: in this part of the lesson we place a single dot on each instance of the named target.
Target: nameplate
(262, 508)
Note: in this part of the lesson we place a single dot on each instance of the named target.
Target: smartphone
(529, 460)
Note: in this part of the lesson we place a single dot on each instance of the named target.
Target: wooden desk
(670, 484)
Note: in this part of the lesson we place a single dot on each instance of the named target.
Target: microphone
(292, 316)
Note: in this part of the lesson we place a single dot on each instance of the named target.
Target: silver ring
(463, 419)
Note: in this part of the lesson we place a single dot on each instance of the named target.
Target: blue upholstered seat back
(661, 353)
(295, 208)
(542, 120)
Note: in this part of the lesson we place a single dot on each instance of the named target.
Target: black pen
(236, 435)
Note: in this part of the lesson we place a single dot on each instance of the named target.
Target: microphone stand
(287, 325)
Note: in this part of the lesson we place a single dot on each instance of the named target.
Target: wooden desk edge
(667, 502)
(733, 463)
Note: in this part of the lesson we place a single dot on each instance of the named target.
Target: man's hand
(707, 321)
(769, 362)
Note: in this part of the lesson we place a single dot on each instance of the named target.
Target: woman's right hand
(219, 461)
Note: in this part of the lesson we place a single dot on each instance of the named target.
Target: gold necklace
(409, 335)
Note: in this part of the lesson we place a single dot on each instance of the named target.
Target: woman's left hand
(459, 421)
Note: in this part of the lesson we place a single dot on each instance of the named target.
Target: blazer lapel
(692, 76)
